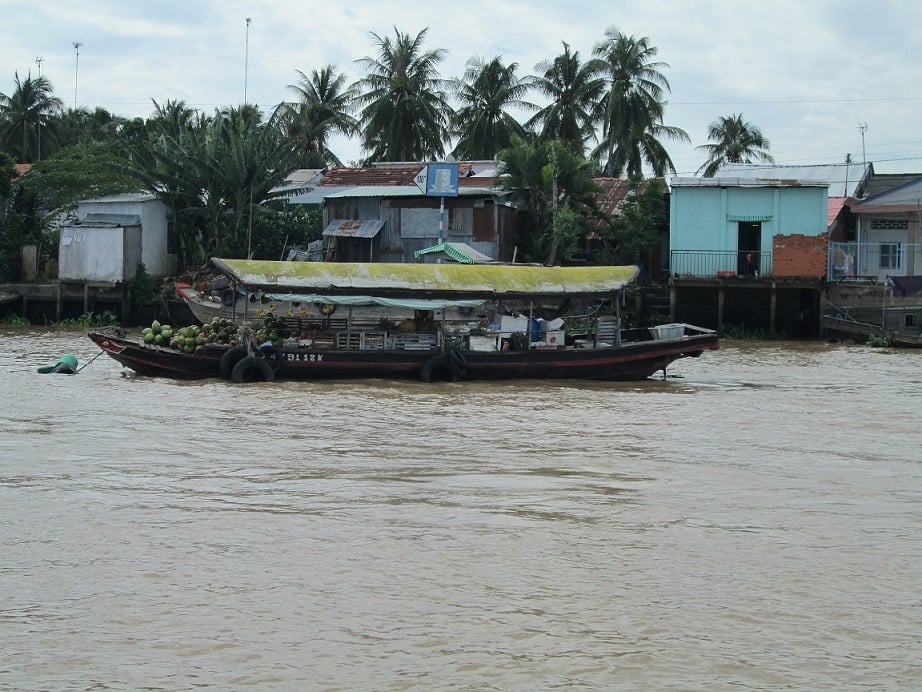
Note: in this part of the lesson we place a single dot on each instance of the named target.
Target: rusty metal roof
(842, 179)
(394, 174)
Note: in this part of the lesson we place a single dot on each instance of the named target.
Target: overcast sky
(811, 74)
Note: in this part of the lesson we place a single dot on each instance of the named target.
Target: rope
(90, 361)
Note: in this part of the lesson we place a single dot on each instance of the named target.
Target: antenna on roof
(863, 127)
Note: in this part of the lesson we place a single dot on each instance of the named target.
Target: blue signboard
(442, 180)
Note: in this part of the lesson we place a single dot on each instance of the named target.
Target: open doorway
(749, 246)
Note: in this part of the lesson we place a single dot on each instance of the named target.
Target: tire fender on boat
(252, 369)
(230, 358)
(452, 362)
(273, 356)
(457, 363)
(431, 366)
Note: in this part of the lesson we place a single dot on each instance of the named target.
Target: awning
(354, 228)
(459, 252)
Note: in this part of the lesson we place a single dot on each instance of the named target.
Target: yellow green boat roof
(387, 278)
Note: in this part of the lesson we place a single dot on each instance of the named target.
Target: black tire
(273, 356)
(252, 369)
(230, 358)
(439, 368)
(457, 362)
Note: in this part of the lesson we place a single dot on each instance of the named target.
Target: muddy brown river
(754, 521)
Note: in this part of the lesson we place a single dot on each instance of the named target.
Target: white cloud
(806, 73)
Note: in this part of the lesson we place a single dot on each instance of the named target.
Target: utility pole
(246, 62)
(77, 45)
(38, 61)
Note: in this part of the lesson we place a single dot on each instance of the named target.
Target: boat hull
(630, 361)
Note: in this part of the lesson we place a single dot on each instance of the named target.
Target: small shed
(103, 248)
(159, 246)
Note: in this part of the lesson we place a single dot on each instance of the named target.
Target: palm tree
(405, 114)
(173, 117)
(482, 124)
(245, 164)
(631, 113)
(541, 179)
(734, 141)
(324, 108)
(83, 127)
(25, 118)
(573, 88)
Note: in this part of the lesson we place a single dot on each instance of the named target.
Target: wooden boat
(205, 304)
(482, 322)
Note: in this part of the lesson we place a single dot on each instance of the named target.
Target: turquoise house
(720, 227)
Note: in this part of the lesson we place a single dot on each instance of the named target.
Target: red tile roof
(834, 207)
(21, 168)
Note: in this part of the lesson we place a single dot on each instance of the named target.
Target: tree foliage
(733, 140)
(405, 112)
(573, 88)
(541, 179)
(26, 118)
(324, 108)
(635, 228)
(483, 123)
(631, 114)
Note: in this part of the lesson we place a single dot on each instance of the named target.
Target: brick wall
(799, 255)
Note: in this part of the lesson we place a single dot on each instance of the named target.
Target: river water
(752, 522)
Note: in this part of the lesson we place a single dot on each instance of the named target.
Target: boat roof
(482, 281)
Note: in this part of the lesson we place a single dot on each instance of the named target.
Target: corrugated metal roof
(842, 179)
(459, 252)
(354, 228)
(746, 182)
(884, 182)
(107, 220)
(461, 280)
(403, 191)
(906, 197)
(125, 197)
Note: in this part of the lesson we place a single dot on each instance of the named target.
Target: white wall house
(114, 232)
(889, 233)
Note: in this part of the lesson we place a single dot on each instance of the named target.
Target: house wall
(411, 224)
(799, 255)
(158, 257)
(901, 228)
(705, 219)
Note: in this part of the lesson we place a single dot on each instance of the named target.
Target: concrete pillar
(774, 309)
(672, 300)
(720, 308)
